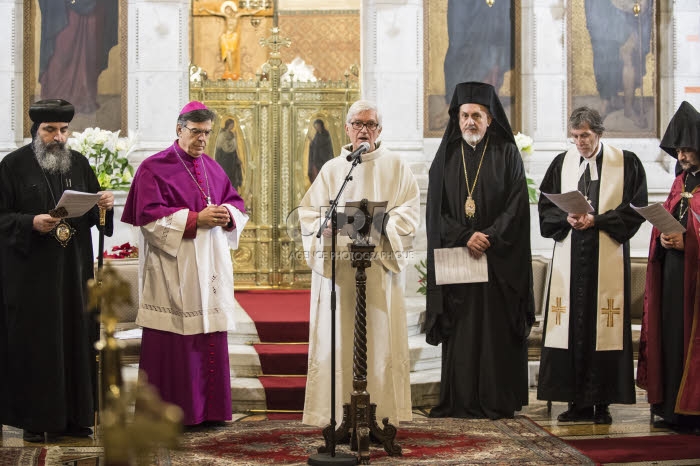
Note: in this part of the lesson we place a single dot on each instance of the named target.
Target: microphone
(364, 147)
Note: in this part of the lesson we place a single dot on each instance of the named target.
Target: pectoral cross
(558, 309)
(610, 311)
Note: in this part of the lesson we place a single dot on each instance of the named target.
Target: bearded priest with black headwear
(47, 360)
(669, 347)
(478, 199)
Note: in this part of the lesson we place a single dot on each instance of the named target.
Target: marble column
(11, 75)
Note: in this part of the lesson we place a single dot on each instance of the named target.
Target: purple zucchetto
(192, 106)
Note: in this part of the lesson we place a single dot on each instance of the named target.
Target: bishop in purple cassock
(189, 217)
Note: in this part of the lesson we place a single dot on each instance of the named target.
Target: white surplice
(186, 285)
(382, 176)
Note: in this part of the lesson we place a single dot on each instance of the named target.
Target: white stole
(611, 304)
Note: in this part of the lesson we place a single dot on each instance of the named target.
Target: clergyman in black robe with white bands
(588, 367)
(483, 327)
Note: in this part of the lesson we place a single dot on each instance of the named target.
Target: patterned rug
(516, 441)
(18, 456)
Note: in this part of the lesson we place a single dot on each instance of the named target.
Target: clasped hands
(213, 216)
(673, 241)
(580, 221)
(478, 244)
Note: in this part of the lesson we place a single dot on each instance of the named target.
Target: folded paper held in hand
(74, 204)
(660, 218)
(456, 265)
(572, 202)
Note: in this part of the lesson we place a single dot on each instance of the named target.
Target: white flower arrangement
(524, 143)
(107, 154)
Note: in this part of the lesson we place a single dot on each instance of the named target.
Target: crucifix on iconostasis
(229, 46)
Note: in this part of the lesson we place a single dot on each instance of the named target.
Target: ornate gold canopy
(273, 122)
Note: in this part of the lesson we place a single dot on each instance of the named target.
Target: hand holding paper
(75, 203)
(572, 202)
(660, 218)
(456, 265)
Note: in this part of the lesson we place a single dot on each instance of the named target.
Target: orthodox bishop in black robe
(47, 360)
(483, 327)
(587, 351)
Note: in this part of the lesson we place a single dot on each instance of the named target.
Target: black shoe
(213, 424)
(602, 415)
(77, 431)
(34, 437)
(677, 428)
(574, 414)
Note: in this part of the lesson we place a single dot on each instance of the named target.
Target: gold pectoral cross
(610, 311)
(558, 309)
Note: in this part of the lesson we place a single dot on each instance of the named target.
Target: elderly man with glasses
(382, 176)
(189, 217)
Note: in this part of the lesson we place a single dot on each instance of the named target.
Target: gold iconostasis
(273, 132)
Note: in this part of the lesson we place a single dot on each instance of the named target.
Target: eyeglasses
(358, 125)
(196, 132)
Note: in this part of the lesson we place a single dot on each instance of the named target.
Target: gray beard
(471, 138)
(53, 158)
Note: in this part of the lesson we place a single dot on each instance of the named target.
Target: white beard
(471, 138)
(56, 159)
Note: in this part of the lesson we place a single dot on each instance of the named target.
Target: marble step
(248, 393)
(244, 360)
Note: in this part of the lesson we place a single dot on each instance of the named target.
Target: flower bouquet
(107, 154)
(524, 143)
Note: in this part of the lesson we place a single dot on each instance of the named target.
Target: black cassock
(47, 364)
(483, 327)
(580, 373)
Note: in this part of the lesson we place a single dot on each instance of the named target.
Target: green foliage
(107, 154)
(422, 269)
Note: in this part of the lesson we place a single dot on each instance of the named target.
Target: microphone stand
(327, 454)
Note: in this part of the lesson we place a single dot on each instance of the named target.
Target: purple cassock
(191, 371)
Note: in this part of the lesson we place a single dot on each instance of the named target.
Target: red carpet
(283, 359)
(284, 392)
(281, 317)
(636, 449)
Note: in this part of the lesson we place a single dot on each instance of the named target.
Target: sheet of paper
(456, 265)
(74, 204)
(572, 202)
(660, 218)
(129, 334)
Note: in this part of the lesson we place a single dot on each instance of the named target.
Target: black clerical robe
(579, 373)
(46, 357)
(483, 327)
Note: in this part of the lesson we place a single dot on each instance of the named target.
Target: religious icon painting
(81, 58)
(229, 151)
(469, 41)
(612, 63)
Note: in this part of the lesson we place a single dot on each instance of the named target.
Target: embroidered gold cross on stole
(610, 311)
(558, 309)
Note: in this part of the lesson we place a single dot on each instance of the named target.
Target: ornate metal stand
(359, 423)
(127, 439)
